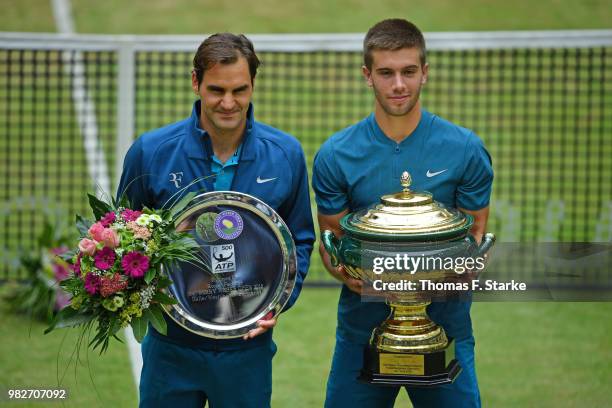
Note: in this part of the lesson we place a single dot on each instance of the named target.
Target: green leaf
(163, 282)
(156, 317)
(150, 275)
(121, 201)
(180, 206)
(164, 299)
(139, 327)
(101, 339)
(124, 202)
(68, 317)
(115, 327)
(98, 206)
(83, 225)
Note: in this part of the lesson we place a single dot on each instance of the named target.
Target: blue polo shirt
(359, 164)
(224, 172)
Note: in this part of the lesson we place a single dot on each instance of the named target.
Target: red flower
(135, 264)
(92, 283)
(108, 219)
(60, 272)
(108, 286)
(130, 215)
(59, 250)
(105, 258)
(76, 267)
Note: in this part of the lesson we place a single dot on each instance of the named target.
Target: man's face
(226, 91)
(396, 78)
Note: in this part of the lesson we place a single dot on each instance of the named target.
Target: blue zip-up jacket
(163, 161)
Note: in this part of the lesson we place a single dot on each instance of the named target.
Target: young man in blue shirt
(358, 165)
(222, 139)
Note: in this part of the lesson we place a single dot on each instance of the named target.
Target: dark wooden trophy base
(411, 370)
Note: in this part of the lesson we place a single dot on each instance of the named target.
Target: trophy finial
(406, 180)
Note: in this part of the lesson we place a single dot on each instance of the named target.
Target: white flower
(143, 220)
(148, 220)
(156, 218)
(146, 294)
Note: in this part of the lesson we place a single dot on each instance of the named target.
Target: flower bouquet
(116, 279)
(39, 295)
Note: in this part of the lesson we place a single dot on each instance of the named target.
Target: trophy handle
(330, 242)
(487, 242)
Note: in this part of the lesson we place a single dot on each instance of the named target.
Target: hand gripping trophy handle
(330, 243)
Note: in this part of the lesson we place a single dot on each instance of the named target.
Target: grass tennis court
(277, 16)
(528, 354)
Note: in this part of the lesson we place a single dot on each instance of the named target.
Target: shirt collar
(380, 135)
(198, 146)
(232, 161)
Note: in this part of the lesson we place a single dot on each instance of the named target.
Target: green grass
(26, 15)
(277, 16)
(544, 354)
(207, 16)
(528, 355)
(30, 359)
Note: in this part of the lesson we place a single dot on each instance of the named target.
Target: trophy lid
(407, 215)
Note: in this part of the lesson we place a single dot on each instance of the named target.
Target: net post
(125, 106)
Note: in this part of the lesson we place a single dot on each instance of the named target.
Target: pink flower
(135, 264)
(60, 272)
(87, 246)
(95, 231)
(59, 250)
(105, 258)
(62, 299)
(108, 219)
(110, 238)
(130, 215)
(76, 267)
(139, 232)
(92, 283)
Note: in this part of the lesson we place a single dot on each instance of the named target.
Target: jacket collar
(198, 144)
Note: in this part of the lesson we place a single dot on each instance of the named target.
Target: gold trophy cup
(408, 348)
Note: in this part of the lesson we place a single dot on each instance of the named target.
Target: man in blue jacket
(222, 139)
(363, 162)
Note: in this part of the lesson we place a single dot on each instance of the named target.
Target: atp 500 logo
(222, 258)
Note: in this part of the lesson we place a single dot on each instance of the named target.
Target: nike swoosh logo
(430, 174)
(260, 180)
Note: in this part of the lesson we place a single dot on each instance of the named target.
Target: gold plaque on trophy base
(413, 370)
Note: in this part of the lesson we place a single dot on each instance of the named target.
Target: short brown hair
(391, 35)
(224, 48)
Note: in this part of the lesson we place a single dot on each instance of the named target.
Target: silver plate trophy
(248, 271)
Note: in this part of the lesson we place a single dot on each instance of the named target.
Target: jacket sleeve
(297, 214)
(133, 180)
